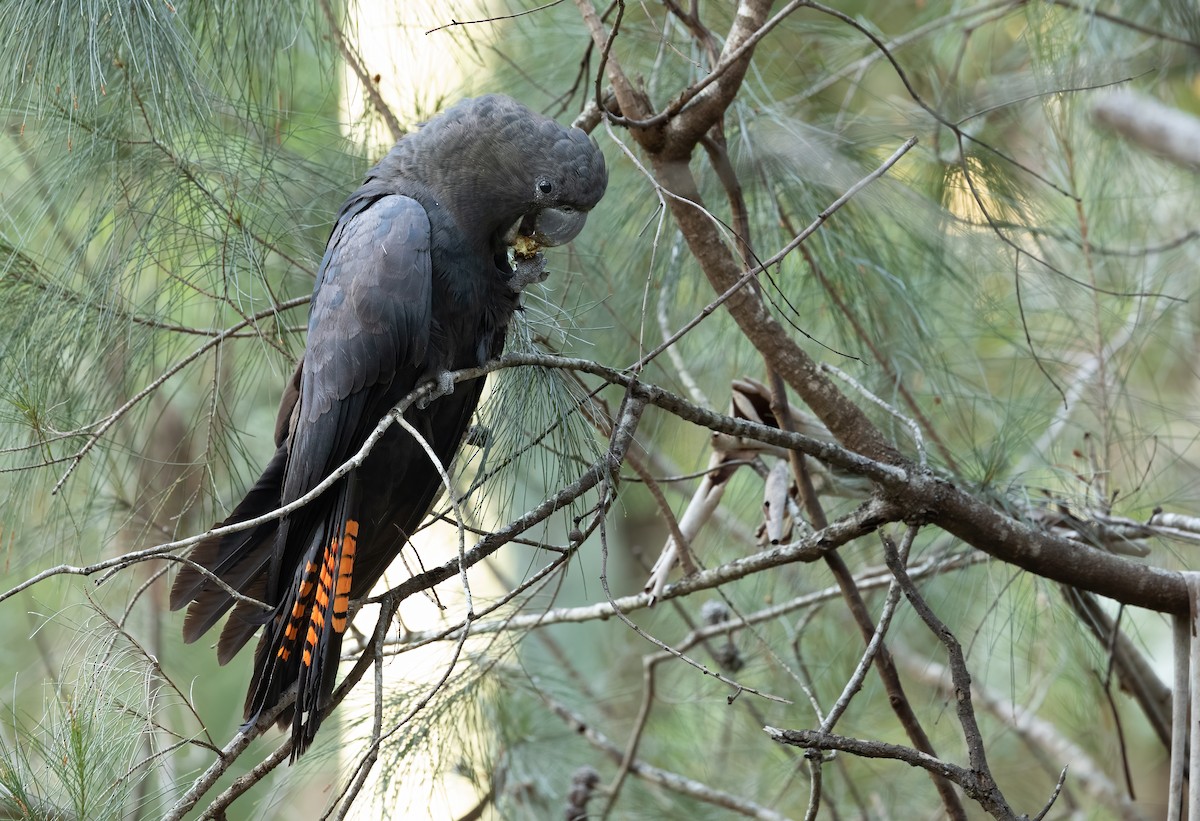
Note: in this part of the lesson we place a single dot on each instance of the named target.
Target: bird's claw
(527, 271)
(444, 386)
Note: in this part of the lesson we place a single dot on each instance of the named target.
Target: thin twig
(1037, 733)
(102, 425)
(886, 666)
(961, 776)
(988, 793)
(913, 427)
(663, 778)
(855, 682)
(216, 810)
(454, 23)
(649, 669)
(734, 58)
(679, 545)
(603, 611)
(1058, 787)
(795, 242)
(354, 59)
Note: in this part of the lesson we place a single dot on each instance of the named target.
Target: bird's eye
(545, 186)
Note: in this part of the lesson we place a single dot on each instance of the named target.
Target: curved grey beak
(550, 226)
(555, 226)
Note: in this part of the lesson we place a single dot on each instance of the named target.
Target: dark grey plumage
(414, 282)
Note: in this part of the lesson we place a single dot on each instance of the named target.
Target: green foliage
(1023, 281)
(96, 746)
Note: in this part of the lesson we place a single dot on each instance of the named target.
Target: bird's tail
(239, 560)
(302, 642)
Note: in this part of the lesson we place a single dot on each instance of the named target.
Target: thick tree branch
(930, 498)
(709, 104)
(924, 497)
(1160, 129)
(776, 345)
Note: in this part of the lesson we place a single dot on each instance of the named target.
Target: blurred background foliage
(168, 175)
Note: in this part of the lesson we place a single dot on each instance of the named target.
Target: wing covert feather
(370, 326)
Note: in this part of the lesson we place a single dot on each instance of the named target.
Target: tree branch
(989, 794)
(654, 775)
(964, 778)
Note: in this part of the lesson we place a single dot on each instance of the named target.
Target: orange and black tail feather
(303, 641)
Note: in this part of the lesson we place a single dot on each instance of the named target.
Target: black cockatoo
(415, 282)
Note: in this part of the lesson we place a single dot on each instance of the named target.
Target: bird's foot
(444, 386)
(527, 271)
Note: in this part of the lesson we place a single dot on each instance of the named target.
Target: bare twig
(734, 60)
(886, 667)
(1058, 787)
(632, 103)
(228, 754)
(745, 278)
(854, 684)
(412, 641)
(216, 810)
(497, 18)
(964, 778)
(679, 545)
(653, 775)
(602, 611)
(354, 59)
(649, 670)
(913, 427)
(987, 793)
(1038, 734)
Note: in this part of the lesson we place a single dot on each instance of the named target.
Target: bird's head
(563, 176)
(521, 178)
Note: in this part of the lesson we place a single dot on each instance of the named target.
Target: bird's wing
(370, 323)
(368, 334)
